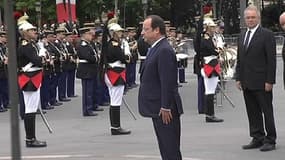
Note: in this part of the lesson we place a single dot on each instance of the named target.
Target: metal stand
(223, 95)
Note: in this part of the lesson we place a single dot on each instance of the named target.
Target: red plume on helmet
(111, 15)
(17, 15)
(207, 9)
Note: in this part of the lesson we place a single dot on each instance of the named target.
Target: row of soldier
(49, 62)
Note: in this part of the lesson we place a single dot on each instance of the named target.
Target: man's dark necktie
(247, 39)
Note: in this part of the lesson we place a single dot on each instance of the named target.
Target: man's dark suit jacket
(158, 87)
(256, 64)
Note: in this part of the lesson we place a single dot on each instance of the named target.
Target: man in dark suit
(255, 76)
(158, 94)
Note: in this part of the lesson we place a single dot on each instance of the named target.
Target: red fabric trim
(123, 75)
(114, 76)
(23, 80)
(37, 79)
(208, 69)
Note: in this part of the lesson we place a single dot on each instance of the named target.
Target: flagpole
(69, 14)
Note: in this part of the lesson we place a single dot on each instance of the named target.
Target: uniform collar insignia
(114, 43)
(83, 43)
(24, 42)
(206, 36)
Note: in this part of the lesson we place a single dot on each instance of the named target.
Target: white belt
(142, 57)
(207, 59)
(83, 61)
(28, 68)
(117, 64)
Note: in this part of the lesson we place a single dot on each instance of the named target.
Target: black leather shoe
(105, 104)
(90, 114)
(267, 147)
(35, 143)
(214, 119)
(98, 109)
(73, 96)
(3, 110)
(57, 104)
(134, 85)
(48, 107)
(64, 99)
(252, 145)
(119, 131)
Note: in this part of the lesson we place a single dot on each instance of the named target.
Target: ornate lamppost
(38, 7)
(145, 6)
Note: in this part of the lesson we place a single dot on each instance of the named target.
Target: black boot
(34, 143)
(115, 121)
(30, 128)
(209, 109)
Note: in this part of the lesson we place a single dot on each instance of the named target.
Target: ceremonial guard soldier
(71, 64)
(29, 79)
(87, 70)
(211, 68)
(4, 98)
(115, 75)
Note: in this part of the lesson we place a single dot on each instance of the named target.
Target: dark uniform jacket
(208, 48)
(28, 53)
(88, 69)
(71, 57)
(63, 54)
(55, 53)
(134, 52)
(256, 65)
(115, 53)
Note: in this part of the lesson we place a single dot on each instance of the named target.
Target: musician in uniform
(62, 74)
(131, 67)
(115, 76)
(87, 70)
(71, 64)
(142, 48)
(211, 68)
(29, 79)
(56, 67)
(96, 85)
(102, 93)
(48, 70)
(4, 100)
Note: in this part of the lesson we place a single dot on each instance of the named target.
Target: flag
(63, 12)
